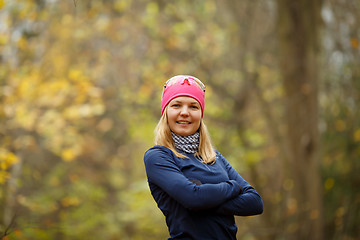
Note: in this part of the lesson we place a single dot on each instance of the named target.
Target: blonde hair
(164, 138)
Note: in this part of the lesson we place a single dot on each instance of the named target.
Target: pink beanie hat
(183, 85)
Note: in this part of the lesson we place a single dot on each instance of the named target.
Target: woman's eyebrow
(195, 103)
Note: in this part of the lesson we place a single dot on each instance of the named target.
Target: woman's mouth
(183, 122)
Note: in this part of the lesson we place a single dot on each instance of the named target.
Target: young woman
(192, 183)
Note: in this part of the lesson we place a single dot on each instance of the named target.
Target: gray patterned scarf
(188, 144)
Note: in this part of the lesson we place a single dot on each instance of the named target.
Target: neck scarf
(188, 144)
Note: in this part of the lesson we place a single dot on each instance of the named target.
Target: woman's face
(184, 115)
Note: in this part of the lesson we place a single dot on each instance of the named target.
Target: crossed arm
(232, 197)
(163, 172)
(247, 203)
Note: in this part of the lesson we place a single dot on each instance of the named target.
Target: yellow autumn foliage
(7, 159)
(70, 201)
(2, 3)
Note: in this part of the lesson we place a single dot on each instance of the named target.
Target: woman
(193, 185)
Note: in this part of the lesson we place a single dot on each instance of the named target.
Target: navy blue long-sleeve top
(199, 211)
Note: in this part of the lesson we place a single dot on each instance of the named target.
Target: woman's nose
(184, 111)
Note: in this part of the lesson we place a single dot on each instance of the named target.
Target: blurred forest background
(80, 88)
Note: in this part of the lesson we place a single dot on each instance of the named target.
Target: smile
(183, 122)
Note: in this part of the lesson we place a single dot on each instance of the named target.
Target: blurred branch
(8, 228)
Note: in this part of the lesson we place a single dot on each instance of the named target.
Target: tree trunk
(298, 30)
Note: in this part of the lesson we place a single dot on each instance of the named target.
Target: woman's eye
(194, 107)
(175, 105)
